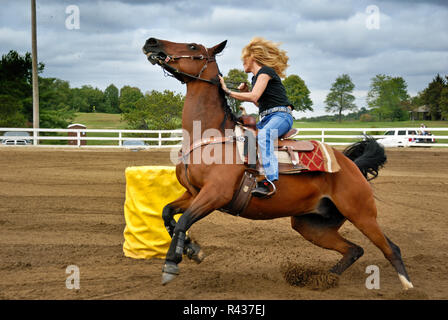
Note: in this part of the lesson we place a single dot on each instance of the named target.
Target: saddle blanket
(321, 159)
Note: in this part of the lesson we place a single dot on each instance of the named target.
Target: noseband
(164, 63)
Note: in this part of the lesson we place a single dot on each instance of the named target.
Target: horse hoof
(167, 278)
(194, 252)
(199, 257)
(406, 284)
(169, 272)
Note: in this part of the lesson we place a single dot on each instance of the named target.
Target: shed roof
(423, 108)
(76, 125)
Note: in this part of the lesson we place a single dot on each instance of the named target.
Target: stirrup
(268, 195)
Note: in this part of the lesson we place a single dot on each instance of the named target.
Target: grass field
(108, 121)
(100, 120)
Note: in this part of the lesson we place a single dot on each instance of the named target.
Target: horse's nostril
(152, 42)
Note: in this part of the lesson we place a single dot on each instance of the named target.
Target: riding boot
(262, 189)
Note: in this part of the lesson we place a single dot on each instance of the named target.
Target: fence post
(35, 142)
(119, 139)
(323, 136)
(160, 138)
(78, 135)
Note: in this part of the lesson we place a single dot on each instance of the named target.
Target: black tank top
(275, 93)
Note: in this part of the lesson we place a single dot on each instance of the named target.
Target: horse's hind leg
(322, 230)
(364, 218)
(369, 227)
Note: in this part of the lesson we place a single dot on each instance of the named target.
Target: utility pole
(35, 76)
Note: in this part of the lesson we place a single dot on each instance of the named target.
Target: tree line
(58, 102)
(388, 99)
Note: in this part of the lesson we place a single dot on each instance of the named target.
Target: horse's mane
(225, 106)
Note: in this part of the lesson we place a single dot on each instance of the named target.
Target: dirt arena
(65, 207)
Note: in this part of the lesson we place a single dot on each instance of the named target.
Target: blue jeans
(270, 128)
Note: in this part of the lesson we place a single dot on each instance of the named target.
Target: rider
(267, 63)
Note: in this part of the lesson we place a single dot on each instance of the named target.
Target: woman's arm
(252, 96)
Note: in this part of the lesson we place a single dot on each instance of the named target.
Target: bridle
(169, 70)
(176, 73)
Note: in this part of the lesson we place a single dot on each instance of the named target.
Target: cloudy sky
(323, 39)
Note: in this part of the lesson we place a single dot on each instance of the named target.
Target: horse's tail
(368, 155)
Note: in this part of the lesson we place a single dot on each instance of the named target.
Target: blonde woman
(267, 62)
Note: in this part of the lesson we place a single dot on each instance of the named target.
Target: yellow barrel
(148, 190)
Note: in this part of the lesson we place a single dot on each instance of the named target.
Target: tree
(156, 110)
(112, 99)
(233, 79)
(340, 98)
(443, 102)
(10, 112)
(128, 98)
(366, 117)
(432, 94)
(16, 79)
(16, 91)
(54, 103)
(79, 101)
(298, 93)
(16, 73)
(388, 98)
(92, 99)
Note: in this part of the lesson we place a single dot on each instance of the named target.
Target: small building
(75, 134)
(421, 113)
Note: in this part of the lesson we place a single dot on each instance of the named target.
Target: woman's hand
(243, 87)
(223, 85)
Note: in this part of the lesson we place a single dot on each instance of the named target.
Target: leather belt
(275, 109)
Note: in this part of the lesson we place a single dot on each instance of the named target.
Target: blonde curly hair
(267, 53)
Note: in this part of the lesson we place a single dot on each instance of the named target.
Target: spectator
(423, 129)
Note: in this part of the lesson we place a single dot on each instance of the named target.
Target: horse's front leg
(191, 249)
(205, 202)
(171, 209)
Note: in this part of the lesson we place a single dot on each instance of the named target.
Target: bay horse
(318, 204)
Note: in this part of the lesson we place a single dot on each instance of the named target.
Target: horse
(318, 203)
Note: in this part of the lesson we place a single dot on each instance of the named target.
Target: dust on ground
(65, 207)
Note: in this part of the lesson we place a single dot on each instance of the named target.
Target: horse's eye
(192, 47)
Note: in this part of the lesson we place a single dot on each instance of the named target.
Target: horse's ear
(218, 48)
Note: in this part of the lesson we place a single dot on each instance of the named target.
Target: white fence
(77, 136)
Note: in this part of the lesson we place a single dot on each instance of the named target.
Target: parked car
(402, 138)
(134, 144)
(16, 138)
